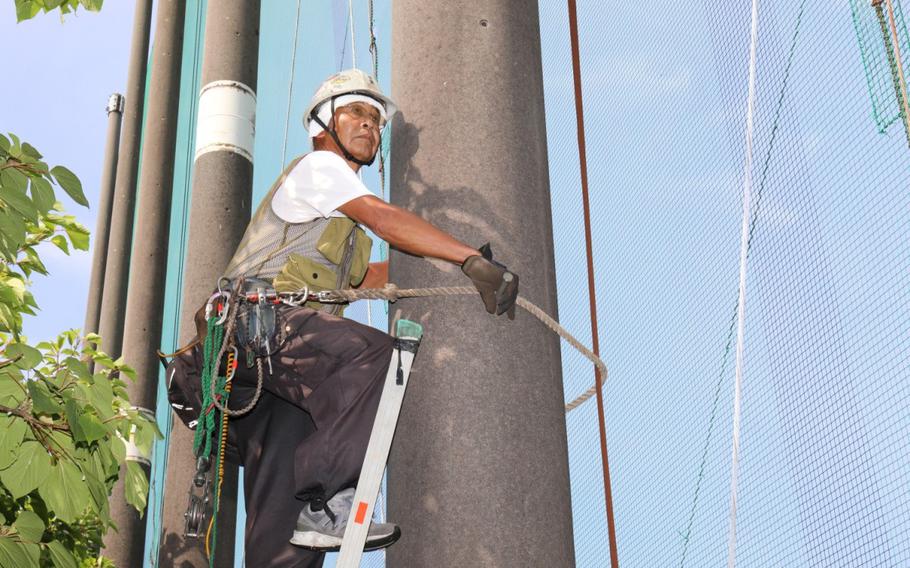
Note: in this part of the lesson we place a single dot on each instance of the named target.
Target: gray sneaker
(323, 530)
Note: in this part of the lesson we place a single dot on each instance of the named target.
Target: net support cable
(741, 306)
(598, 377)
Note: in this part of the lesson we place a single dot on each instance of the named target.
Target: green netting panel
(874, 37)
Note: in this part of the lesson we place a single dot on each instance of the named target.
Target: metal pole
(148, 269)
(222, 191)
(592, 295)
(110, 325)
(105, 201)
(479, 470)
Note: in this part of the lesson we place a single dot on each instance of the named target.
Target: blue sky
(64, 73)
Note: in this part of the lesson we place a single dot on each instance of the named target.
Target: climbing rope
(392, 293)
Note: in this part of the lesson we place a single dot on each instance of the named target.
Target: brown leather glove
(497, 286)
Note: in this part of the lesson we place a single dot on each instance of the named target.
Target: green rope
(210, 419)
(753, 223)
(208, 424)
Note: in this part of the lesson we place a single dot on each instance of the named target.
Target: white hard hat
(349, 82)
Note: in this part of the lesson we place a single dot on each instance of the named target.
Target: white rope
(284, 144)
(741, 306)
(392, 293)
(353, 49)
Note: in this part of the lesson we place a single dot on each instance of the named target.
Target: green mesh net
(876, 45)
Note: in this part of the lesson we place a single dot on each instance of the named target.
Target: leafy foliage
(27, 9)
(63, 424)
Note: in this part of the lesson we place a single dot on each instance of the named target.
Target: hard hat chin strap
(348, 156)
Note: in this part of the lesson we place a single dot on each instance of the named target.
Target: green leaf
(18, 200)
(92, 5)
(43, 194)
(78, 368)
(70, 184)
(12, 290)
(60, 556)
(31, 468)
(12, 178)
(73, 413)
(118, 449)
(63, 442)
(30, 151)
(102, 396)
(26, 9)
(12, 392)
(92, 428)
(136, 486)
(28, 356)
(99, 493)
(30, 526)
(4, 143)
(61, 243)
(79, 236)
(12, 232)
(14, 554)
(65, 492)
(42, 401)
(12, 432)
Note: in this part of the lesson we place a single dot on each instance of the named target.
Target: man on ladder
(306, 234)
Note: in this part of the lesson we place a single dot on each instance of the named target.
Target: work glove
(497, 286)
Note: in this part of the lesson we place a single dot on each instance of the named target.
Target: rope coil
(392, 293)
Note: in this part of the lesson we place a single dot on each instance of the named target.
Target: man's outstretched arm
(406, 231)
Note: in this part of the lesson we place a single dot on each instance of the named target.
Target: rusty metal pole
(592, 296)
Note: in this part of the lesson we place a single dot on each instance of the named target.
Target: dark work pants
(263, 437)
(333, 370)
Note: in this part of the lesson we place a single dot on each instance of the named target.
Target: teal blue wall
(287, 80)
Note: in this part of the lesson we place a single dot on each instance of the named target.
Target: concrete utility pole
(105, 200)
(479, 470)
(222, 191)
(110, 325)
(148, 269)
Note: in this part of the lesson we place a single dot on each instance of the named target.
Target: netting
(824, 456)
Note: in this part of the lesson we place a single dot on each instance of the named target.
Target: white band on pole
(133, 452)
(741, 306)
(227, 119)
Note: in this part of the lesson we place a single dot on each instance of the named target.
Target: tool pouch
(184, 385)
(259, 330)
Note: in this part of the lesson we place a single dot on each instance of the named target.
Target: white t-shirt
(317, 186)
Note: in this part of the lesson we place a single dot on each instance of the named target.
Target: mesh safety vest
(320, 254)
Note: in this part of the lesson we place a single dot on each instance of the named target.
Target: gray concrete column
(479, 472)
(148, 266)
(110, 325)
(222, 191)
(103, 224)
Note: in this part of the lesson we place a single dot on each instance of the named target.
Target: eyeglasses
(363, 111)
